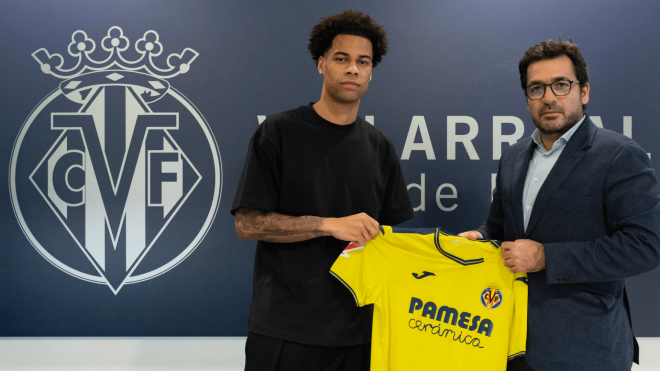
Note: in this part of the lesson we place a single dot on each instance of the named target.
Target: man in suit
(579, 209)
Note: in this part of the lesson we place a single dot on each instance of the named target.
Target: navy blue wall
(446, 59)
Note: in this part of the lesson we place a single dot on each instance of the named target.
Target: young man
(579, 208)
(315, 178)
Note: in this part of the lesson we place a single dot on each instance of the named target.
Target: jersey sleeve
(363, 270)
(518, 329)
(259, 185)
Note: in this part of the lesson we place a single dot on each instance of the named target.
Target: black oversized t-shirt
(301, 164)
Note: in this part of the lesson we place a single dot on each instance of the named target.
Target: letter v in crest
(115, 167)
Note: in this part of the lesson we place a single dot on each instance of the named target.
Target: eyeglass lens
(559, 88)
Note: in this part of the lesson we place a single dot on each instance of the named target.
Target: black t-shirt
(301, 164)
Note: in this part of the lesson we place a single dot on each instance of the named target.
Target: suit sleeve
(632, 214)
(518, 327)
(493, 227)
(362, 271)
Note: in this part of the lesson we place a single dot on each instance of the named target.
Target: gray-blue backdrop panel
(446, 59)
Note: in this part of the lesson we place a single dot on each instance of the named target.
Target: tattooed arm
(267, 226)
(253, 224)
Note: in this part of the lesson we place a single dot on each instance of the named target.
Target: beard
(556, 126)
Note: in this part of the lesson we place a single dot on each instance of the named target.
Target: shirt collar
(536, 136)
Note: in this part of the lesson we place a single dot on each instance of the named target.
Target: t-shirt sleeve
(259, 185)
(362, 270)
(518, 330)
(396, 205)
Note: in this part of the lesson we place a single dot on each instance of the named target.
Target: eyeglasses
(559, 88)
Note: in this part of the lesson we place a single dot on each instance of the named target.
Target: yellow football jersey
(441, 302)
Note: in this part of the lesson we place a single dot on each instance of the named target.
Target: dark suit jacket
(598, 215)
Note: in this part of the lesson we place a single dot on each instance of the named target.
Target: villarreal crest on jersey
(441, 302)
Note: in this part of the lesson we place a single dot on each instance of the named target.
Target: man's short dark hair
(552, 49)
(349, 22)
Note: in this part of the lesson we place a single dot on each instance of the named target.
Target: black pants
(518, 364)
(263, 353)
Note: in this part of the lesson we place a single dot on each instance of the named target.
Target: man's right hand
(471, 235)
(357, 229)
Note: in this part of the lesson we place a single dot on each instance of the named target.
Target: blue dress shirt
(540, 165)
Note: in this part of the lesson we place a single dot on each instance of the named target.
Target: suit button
(577, 278)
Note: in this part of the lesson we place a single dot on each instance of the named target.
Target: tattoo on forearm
(274, 227)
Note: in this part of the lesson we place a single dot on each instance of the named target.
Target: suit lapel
(519, 175)
(572, 154)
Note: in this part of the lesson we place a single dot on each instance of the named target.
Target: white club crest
(107, 163)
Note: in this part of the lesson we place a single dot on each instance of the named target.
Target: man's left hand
(524, 256)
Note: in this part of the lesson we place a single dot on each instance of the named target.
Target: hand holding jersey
(471, 235)
(519, 255)
(523, 256)
(357, 229)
